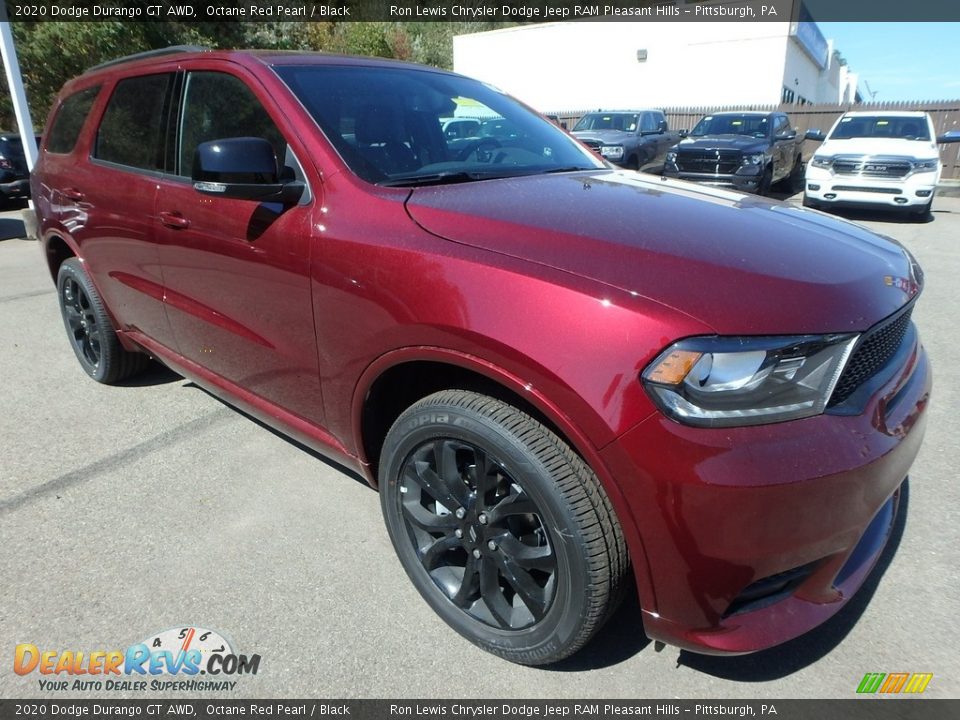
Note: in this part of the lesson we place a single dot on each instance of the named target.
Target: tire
(922, 214)
(808, 203)
(503, 529)
(763, 187)
(89, 330)
(793, 183)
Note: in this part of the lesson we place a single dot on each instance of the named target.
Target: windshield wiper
(569, 168)
(442, 178)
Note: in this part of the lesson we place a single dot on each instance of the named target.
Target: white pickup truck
(876, 159)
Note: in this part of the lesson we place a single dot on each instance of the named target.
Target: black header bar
(524, 11)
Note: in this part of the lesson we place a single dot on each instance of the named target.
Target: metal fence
(945, 114)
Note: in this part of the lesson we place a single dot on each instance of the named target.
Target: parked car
(717, 400)
(879, 160)
(749, 151)
(636, 139)
(14, 175)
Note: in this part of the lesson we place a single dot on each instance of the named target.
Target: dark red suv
(562, 377)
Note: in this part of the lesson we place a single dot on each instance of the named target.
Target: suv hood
(921, 149)
(724, 142)
(739, 263)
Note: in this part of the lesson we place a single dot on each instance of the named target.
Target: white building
(566, 66)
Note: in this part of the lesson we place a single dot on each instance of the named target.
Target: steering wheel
(482, 148)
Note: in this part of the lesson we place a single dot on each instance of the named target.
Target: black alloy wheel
(502, 528)
(477, 533)
(81, 322)
(89, 329)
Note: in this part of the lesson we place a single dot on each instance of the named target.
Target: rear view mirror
(242, 168)
(949, 137)
(815, 135)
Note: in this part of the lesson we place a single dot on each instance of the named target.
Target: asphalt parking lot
(129, 510)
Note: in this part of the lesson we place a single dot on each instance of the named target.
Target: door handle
(72, 193)
(174, 220)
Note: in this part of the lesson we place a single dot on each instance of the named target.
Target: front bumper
(756, 535)
(822, 187)
(746, 179)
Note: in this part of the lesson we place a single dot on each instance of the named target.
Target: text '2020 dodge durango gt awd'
(717, 401)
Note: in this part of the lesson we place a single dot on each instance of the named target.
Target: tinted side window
(131, 132)
(649, 123)
(218, 106)
(66, 126)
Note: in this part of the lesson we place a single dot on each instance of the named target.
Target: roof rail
(160, 52)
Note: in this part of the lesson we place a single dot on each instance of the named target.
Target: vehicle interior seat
(909, 130)
(379, 136)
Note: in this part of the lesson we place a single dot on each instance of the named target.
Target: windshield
(880, 126)
(609, 121)
(388, 124)
(757, 126)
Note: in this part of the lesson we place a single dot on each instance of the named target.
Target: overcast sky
(901, 61)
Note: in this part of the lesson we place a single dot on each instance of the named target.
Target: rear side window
(69, 120)
(131, 132)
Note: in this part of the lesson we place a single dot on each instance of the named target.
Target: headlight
(822, 161)
(753, 159)
(925, 165)
(672, 157)
(716, 381)
(614, 152)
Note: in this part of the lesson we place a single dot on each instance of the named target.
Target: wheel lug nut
(458, 532)
(461, 513)
(482, 519)
(476, 553)
(492, 545)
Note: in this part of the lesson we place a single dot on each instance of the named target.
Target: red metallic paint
(561, 288)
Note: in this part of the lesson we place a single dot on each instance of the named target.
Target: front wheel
(502, 528)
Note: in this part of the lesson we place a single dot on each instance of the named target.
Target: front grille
(876, 347)
(713, 162)
(592, 144)
(857, 188)
(872, 167)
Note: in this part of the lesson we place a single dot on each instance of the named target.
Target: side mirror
(815, 135)
(787, 135)
(950, 136)
(662, 127)
(243, 168)
(683, 133)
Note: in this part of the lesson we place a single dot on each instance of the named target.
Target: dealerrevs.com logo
(183, 653)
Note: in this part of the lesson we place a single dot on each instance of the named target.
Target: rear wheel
(89, 329)
(502, 528)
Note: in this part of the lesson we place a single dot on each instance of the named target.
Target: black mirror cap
(683, 133)
(235, 160)
(662, 126)
(242, 168)
(815, 135)
(951, 136)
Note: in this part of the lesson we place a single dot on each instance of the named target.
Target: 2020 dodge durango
(717, 401)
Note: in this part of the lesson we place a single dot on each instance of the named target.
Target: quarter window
(69, 121)
(131, 132)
